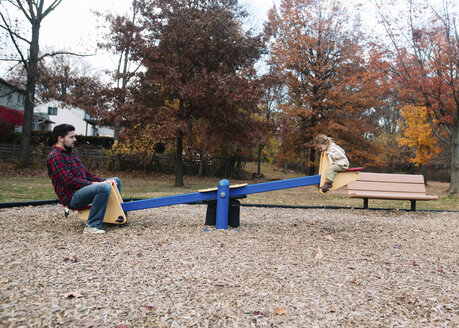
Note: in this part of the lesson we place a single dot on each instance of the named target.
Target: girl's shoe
(326, 187)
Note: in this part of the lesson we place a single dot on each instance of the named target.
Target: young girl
(337, 156)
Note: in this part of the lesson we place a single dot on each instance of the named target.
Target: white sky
(73, 26)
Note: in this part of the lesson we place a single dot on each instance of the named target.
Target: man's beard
(68, 148)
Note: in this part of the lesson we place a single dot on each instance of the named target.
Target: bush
(9, 120)
(44, 138)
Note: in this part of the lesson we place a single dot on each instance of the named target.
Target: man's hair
(61, 130)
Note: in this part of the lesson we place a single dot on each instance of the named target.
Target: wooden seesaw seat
(114, 213)
(342, 178)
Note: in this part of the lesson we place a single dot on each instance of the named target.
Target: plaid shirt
(67, 173)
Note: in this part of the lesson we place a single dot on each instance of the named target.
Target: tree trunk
(454, 181)
(423, 169)
(116, 137)
(201, 165)
(202, 157)
(312, 159)
(32, 76)
(179, 161)
(260, 148)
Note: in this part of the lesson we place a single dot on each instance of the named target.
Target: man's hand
(110, 182)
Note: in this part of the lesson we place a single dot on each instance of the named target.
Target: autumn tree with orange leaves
(418, 135)
(317, 51)
(421, 57)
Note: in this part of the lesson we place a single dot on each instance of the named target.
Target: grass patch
(28, 185)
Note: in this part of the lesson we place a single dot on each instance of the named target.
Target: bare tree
(34, 11)
(123, 35)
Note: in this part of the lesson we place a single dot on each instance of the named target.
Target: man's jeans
(98, 195)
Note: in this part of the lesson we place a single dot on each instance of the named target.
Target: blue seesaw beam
(168, 200)
(275, 185)
(210, 195)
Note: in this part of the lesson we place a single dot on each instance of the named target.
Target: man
(73, 184)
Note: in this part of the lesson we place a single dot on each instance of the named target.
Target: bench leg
(413, 205)
(365, 203)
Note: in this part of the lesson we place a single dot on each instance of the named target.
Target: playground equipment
(342, 178)
(116, 209)
(389, 186)
(114, 212)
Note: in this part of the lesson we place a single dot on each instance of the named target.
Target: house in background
(46, 116)
(13, 97)
(83, 123)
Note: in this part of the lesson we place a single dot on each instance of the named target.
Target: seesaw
(342, 178)
(113, 214)
(116, 209)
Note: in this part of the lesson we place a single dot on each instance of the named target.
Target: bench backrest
(388, 183)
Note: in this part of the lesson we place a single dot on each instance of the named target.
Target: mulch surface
(280, 268)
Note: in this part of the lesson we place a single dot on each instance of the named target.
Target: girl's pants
(333, 169)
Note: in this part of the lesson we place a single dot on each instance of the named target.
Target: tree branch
(51, 7)
(14, 33)
(435, 131)
(24, 11)
(56, 53)
(12, 36)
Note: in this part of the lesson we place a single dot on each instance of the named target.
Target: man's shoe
(92, 230)
(326, 187)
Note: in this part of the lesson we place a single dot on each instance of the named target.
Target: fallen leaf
(319, 254)
(73, 259)
(122, 326)
(71, 295)
(93, 324)
(92, 268)
(264, 313)
(281, 310)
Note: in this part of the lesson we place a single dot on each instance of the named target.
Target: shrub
(9, 120)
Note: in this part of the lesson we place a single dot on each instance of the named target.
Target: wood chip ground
(281, 268)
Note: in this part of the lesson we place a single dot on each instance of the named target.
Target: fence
(10, 153)
(97, 158)
(165, 163)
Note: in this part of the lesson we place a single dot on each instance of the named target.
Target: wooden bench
(389, 186)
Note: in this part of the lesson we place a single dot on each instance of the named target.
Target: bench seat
(389, 186)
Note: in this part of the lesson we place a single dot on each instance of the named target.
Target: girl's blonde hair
(322, 139)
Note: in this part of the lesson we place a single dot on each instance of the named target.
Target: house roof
(12, 86)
